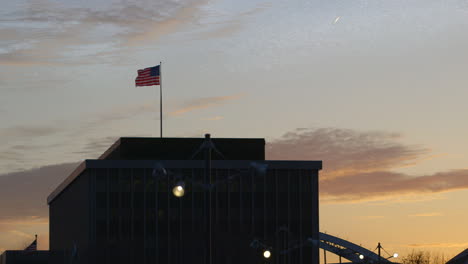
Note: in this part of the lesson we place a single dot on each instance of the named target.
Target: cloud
(425, 215)
(385, 185)
(24, 221)
(358, 165)
(124, 112)
(21, 234)
(203, 103)
(223, 30)
(20, 153)
(438, 245)
(28, 131)
(61, 33)
(96, 146)
(228, 24)
(372, 217)
(214, 118)
(49, 33)
(154, 29)
(24, 194)
(345, 151)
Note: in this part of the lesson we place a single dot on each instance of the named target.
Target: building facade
(121, 208)
(24, 257)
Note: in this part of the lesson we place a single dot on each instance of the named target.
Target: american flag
(33, 246)
(148, 76)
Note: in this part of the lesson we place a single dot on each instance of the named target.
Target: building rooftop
(132, 148)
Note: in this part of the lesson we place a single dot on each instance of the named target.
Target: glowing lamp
(179, 189)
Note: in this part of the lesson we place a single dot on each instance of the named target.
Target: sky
(376, 89)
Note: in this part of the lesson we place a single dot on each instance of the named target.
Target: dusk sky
(376, 89)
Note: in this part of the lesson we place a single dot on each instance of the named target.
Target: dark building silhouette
(24, 257)
(121, 208)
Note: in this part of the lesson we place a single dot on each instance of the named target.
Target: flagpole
(160, 99)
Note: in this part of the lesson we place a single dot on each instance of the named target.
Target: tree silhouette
(417, 257)
(424, 257)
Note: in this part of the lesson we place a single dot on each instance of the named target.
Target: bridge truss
(348, 250)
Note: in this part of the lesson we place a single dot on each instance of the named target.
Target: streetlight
(160, 172)
(361, 256)
(379, 247)
(179, 189)
(266, 254)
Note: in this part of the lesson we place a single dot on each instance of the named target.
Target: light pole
(207, 145)
(379, 248)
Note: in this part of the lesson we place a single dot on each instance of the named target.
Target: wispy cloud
(21, 234)
(372, 217)
(407, 198)
(438, 245)
(46, 32)
(203, 103)
(425, 214)
(229, 24)
(214, 118)
(23, 221)
(28, 131)
(20, 153)
(96, 146)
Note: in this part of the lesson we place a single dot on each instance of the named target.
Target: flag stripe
(147, 78)
(147, 81)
